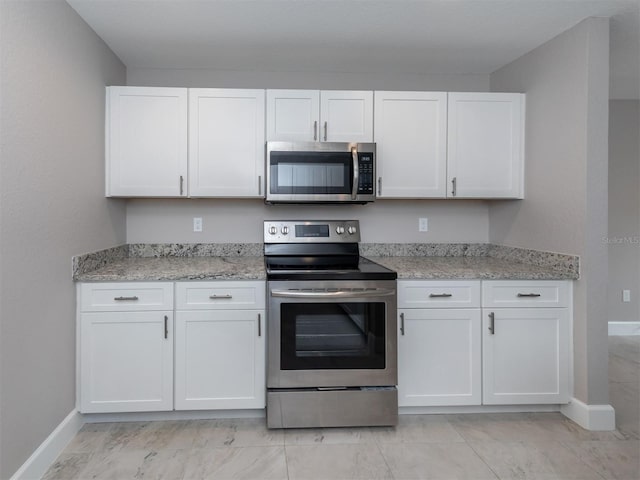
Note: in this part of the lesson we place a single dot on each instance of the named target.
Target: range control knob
(351, 229)
(340, 230)
(273, 230)
(284, 230)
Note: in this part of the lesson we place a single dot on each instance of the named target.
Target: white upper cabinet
(312, 115)
(293, 115)
(346, 116)
(485, 145)
(411, 137)
(226, 142)
(146, 142)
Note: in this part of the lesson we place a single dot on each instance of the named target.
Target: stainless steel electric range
(331, 328)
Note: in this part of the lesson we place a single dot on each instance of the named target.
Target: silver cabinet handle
(528, 295)
(374, 292)
(181, 185)
(356, 173)
(259, 184)
(402, 324)
(492, 323)
(379, 185)
(440, 295)
(218, 297)
(315, 130)
(122, 299)
(166, 326)
(325, 131)
(259, 325)
(454, 182)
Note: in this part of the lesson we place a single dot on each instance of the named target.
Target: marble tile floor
(544, 446)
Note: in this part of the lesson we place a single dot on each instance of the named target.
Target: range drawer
(438, 294)
(109, 297)
(223, 294)
(525, 293)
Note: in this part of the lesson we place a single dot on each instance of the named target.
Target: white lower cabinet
(525, 356)
(220, 359)
(491, 356)
(439, 357)
(220, 345)
(125, 356)
(525, 350)
(439, 343)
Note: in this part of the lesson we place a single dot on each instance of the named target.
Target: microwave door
(311, 175)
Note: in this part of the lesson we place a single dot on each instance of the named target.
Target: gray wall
(310, 80)
(54, 69)
(624, 209)
(386, 221)
(241, 220)
(566, 82)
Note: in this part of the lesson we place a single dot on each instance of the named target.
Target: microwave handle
(356, 173)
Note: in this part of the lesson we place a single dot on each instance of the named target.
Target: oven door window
(311, 173)
(332, 336)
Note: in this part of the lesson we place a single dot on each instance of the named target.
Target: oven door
(332, 334)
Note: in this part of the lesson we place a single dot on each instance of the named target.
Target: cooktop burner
(318, 250)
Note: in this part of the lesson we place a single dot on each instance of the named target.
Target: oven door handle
(356, 173)
(374, 292)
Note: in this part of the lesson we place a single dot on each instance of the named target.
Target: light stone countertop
(454, 268)
(177, 268)
(252, 268)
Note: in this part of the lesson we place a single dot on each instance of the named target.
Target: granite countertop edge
(125, 264)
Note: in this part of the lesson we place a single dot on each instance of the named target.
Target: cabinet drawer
(438, 294)
(220, 295)
(107, 297)
(525, 293)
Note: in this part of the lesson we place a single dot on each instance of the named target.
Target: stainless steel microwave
(320, 172)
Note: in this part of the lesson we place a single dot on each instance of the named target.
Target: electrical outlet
(197, 224)
(423, 224)
(626, 295)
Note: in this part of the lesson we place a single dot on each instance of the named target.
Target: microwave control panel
(365, 167)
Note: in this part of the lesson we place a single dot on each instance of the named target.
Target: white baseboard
(590, 417)
(624, 328)
(477, 409)
(40, 460)
(171, 415)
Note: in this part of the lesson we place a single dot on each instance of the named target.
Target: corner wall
(53, 72)
(624, 209)
(565, 209)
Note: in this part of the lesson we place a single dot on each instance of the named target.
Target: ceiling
(355, 36)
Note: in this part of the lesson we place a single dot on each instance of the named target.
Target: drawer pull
(528, 295)
(440, 295)
(122, 299)
(218, 297)
(492, 323)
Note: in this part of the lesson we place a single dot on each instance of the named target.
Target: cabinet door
(346, 116)
(525, 355)
(226, 143)
(439, 357)
(486, 145)
(126, 361)
(220, 359)
(411, 142)
(146, 142)
(293, 115)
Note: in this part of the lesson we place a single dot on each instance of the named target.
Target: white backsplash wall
(235, 220)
